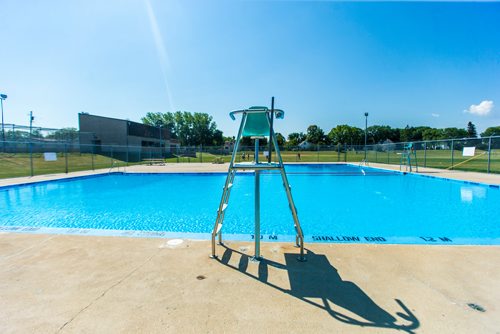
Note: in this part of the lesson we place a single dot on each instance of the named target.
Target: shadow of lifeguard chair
(408, 158)
(257, 123)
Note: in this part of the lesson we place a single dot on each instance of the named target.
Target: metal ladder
(114, 164)
(224, 202)
(257, 167)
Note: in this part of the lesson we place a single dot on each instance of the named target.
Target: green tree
(410, 133)
(280, 139)
(166, 120)
(249, 143)
(182, 127)
(64, 134)
(218, 138)
(471, 130)
(491, 131)
(189, 128)
(405, 134)
(229, 139)
(17, 135)
(418, 133)
(36, 133)
(315, 134)
(454, 133)
(345, 134)
(295, 138)
(380, 133)
(202, 129)
(432, 134)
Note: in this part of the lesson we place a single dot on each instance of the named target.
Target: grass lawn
(15, 165)
(431, 158)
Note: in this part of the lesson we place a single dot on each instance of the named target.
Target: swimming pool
(336, 203)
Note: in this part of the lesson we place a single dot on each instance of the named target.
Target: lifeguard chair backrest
(256, 125)
(257, 121)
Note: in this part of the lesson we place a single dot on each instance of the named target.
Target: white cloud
(482, 109)
(435, 115)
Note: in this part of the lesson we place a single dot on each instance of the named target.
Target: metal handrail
(257, 110)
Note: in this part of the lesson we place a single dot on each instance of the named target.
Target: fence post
(66, 157)
(111, 157)
(489, 155)
(317, 149)
(376, 161)
(31, 157)
(201, 152)
(345, 152)
(126, 163)
(338, 152)
(425, 154)
(452, 144)
(92, 156)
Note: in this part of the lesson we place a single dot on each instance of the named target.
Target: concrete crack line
(6, 257)
(428, 285)
(107, 290)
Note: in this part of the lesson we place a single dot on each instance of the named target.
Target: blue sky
(327, 63)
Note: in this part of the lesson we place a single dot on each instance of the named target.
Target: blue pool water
(336, 203)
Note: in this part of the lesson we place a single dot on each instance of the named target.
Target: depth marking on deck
(339, 239)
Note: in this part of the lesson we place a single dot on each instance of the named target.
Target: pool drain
(476, 307)
(175, 242)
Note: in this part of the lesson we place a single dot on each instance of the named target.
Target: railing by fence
(28, 158)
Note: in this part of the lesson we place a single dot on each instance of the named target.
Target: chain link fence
(25, 158)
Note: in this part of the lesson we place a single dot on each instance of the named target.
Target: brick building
(123, 139)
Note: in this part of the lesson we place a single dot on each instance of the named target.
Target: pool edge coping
(235, 237)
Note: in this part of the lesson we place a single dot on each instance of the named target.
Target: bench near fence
(157, 162)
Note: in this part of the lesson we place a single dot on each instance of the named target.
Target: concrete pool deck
(88, 284)
(69, 284)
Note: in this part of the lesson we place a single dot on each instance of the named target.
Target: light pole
(2, 97)
(32, 118)
(366, 131)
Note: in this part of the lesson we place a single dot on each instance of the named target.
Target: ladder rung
(224, 207)
(229, 185)
(219, 226)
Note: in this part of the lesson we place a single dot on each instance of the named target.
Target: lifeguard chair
(408, 157)
(257, 123)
